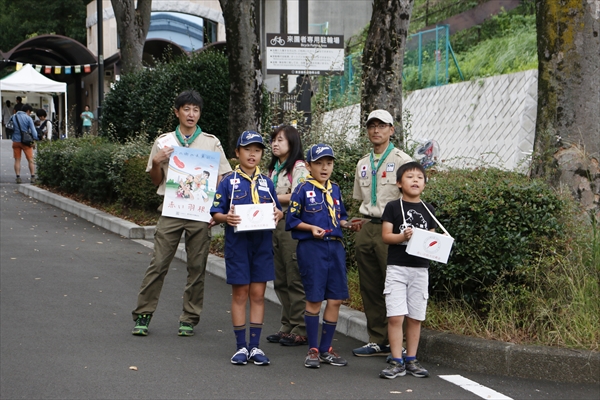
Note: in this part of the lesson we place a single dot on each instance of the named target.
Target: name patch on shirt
(390, 167)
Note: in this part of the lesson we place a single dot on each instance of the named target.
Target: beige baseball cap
(381, 115)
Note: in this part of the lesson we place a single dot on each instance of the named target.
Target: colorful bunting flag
(68, 70)
(57, 69)
(78, 69)
(38, 68)
(19, 66)
(87, 68)
(47, 69)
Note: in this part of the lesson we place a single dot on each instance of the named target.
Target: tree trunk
(132, 26)
(567, 139)
(245, 75)
(383, 58)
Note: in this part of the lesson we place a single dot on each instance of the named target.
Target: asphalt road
(67, 289)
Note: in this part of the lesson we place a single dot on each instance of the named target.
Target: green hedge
(99, 170)
(500, 220)
(142, 102)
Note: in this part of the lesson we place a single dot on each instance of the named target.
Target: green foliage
(499, 221)
(24, 19)
(83, 165)
(142, 102)
(99, 170)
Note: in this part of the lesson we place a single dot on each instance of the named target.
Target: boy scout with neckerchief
(375, 186)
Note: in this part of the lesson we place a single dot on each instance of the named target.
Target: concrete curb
(456, 351)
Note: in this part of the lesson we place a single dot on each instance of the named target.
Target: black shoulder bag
(26, 137)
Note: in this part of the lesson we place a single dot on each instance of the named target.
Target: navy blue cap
(317, 151)
(249, 137)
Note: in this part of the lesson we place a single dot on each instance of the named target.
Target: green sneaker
(186, 329)
(141, 325)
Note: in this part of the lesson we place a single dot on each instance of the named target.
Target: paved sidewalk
(456, 351)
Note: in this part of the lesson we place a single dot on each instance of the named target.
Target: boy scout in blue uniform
(248, 254)
(316, 217)
(374, 187)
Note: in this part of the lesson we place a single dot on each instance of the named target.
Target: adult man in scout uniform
(188, 107)
(375, 186)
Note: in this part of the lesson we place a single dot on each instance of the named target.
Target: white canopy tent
(28, 82)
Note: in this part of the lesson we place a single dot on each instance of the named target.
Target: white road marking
(474, 387)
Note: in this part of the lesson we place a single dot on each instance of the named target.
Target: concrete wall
(483, 122)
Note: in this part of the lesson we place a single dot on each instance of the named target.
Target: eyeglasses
(379, 126)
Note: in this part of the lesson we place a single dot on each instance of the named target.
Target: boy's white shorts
(406, 291)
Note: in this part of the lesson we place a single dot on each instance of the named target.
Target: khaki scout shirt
(386, 185)
(204, 141)
(284, 186)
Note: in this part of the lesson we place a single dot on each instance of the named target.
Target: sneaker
(141, 325)
(312, 359)
(32, 179)
(389, 358)
(240, 357)
(393, 370)
(372, 349)
(186, 329)
(19, 180)
(258, 356)
(292, 339)
(331, 357)
(413, 367)
(276, 337)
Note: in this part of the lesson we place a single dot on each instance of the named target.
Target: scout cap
(318, 151)
(248, 137)
(381, 115)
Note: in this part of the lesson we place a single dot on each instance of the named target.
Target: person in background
(287, 170)
(18, 105)
(45, 127)
(88, 117)
(23, 123)
(6, 114)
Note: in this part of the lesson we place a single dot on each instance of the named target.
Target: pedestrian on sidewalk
(188, 107)
(316, 217)
(374, 187)
(248, 254)
(23, 123)
(407, 276)
(287, 170)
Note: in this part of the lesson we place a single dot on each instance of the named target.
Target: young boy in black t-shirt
(407, 278)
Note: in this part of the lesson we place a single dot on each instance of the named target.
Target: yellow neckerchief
(327, 194)
(253, 179)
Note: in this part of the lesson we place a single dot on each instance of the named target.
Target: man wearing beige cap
(375, 186)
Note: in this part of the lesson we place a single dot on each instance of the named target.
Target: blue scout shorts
(322, 265)
(249, 257)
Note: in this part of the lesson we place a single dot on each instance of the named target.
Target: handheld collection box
(430, 245)
(255, 217)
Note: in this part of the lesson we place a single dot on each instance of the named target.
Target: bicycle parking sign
(305, 54)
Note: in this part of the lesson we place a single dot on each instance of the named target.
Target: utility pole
(303, 82)
(99, 23)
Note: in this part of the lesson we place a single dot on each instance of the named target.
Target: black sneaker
(331, 357)
(413, 367)
(186, 329)
(393, 370)
(292, 339)
(141, 325)
(372, 349)
(19, 180)
(312, 359)
(276, 337)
